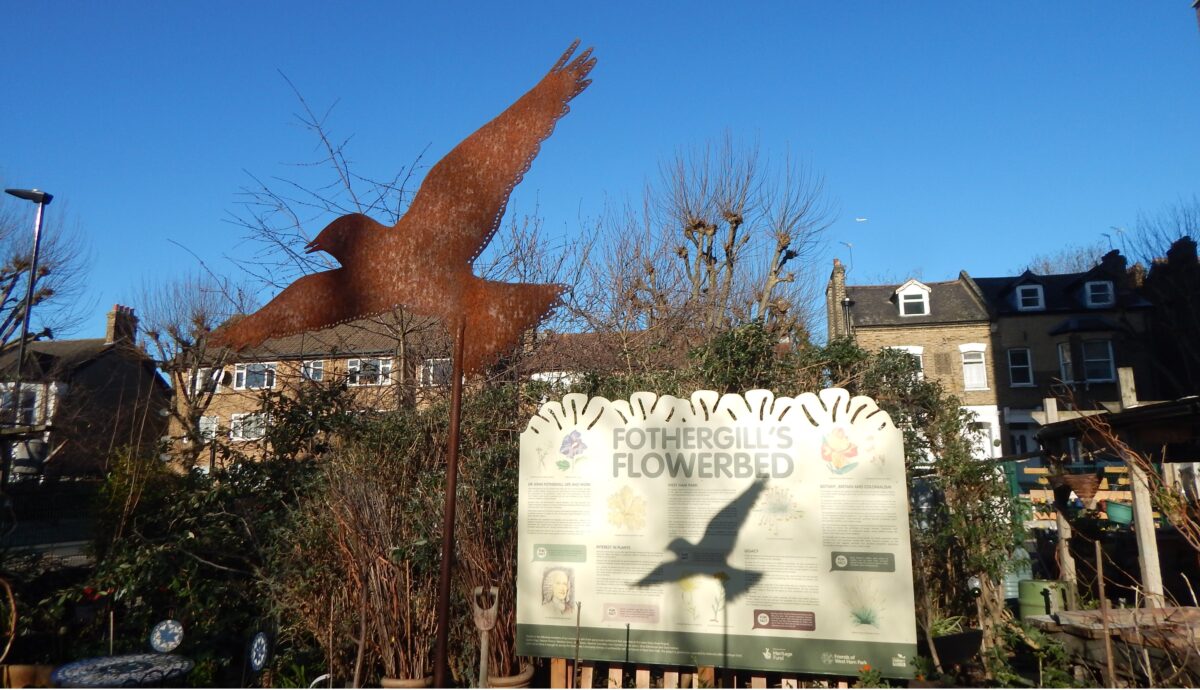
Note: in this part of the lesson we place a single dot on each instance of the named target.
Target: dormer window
(1099, 293)
(1030, 298)
(913, 299)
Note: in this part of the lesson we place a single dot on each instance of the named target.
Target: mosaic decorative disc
(166, 636)
(260, 651)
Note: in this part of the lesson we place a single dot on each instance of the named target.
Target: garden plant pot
(521, 680)
(26, 675)
(1118, 513)
(956, 648)
(426, 682)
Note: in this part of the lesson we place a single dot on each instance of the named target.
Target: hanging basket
(1085, 487)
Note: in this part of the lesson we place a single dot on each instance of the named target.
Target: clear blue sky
(970, 134)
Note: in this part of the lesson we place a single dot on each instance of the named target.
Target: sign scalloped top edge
(829, 406)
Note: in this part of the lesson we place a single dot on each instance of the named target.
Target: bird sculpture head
(339, 237)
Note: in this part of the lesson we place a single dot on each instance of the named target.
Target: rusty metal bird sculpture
(423, 263)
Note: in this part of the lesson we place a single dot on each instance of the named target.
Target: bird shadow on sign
(710, 556)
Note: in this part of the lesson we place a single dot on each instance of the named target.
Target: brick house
(83, 399)
(1003, 344)
(945, 325)
(1065, 336)
(385, 362)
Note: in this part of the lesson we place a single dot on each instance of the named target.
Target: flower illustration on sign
(838, 451)
(571, 449)
(626, 510)
(688, 587)
(718, 602)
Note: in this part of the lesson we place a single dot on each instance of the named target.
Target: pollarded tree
(177, 320)
(61, 270)
(721, 240)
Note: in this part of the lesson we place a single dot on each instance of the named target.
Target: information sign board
(737, 531)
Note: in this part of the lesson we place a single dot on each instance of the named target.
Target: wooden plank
(1066, 562)
(670, 678)
(706, 676)
(558, 673)
(616, 676)
(641, 676)
(1143, 510)
(687, 680)
(586, 670)
(757, 681)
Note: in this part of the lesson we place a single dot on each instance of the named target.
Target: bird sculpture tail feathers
(497, 314)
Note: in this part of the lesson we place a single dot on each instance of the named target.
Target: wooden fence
(616, 675)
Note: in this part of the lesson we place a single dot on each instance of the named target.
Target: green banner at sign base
(758, 653)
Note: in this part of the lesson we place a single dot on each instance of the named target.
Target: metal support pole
(41, 199)
(443, 610)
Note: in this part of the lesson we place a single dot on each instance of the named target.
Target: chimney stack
(836, 302)
(122, 325)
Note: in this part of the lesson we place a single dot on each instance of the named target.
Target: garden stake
(443, 610)
(1111, 681)
(575, 668)
(485, 620)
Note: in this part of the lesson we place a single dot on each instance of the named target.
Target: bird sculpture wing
(314, 301)
(464, 196)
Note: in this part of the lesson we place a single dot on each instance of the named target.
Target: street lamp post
(42, 199)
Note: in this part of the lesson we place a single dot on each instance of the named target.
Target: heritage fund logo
(776, 654)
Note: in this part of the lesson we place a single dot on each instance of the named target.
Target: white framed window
(207, 427)
(435, 372)
(1099, 293)
(369, 371)
(254, 376)
(974, 366)
(916, 351)
(913, 298)
(247, 426)
(206, 380)
(1066, 370)
(1020, 367)
(913, 305)
(313, 370)
(1030, 298)
(27, 411)
(1098, 361)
